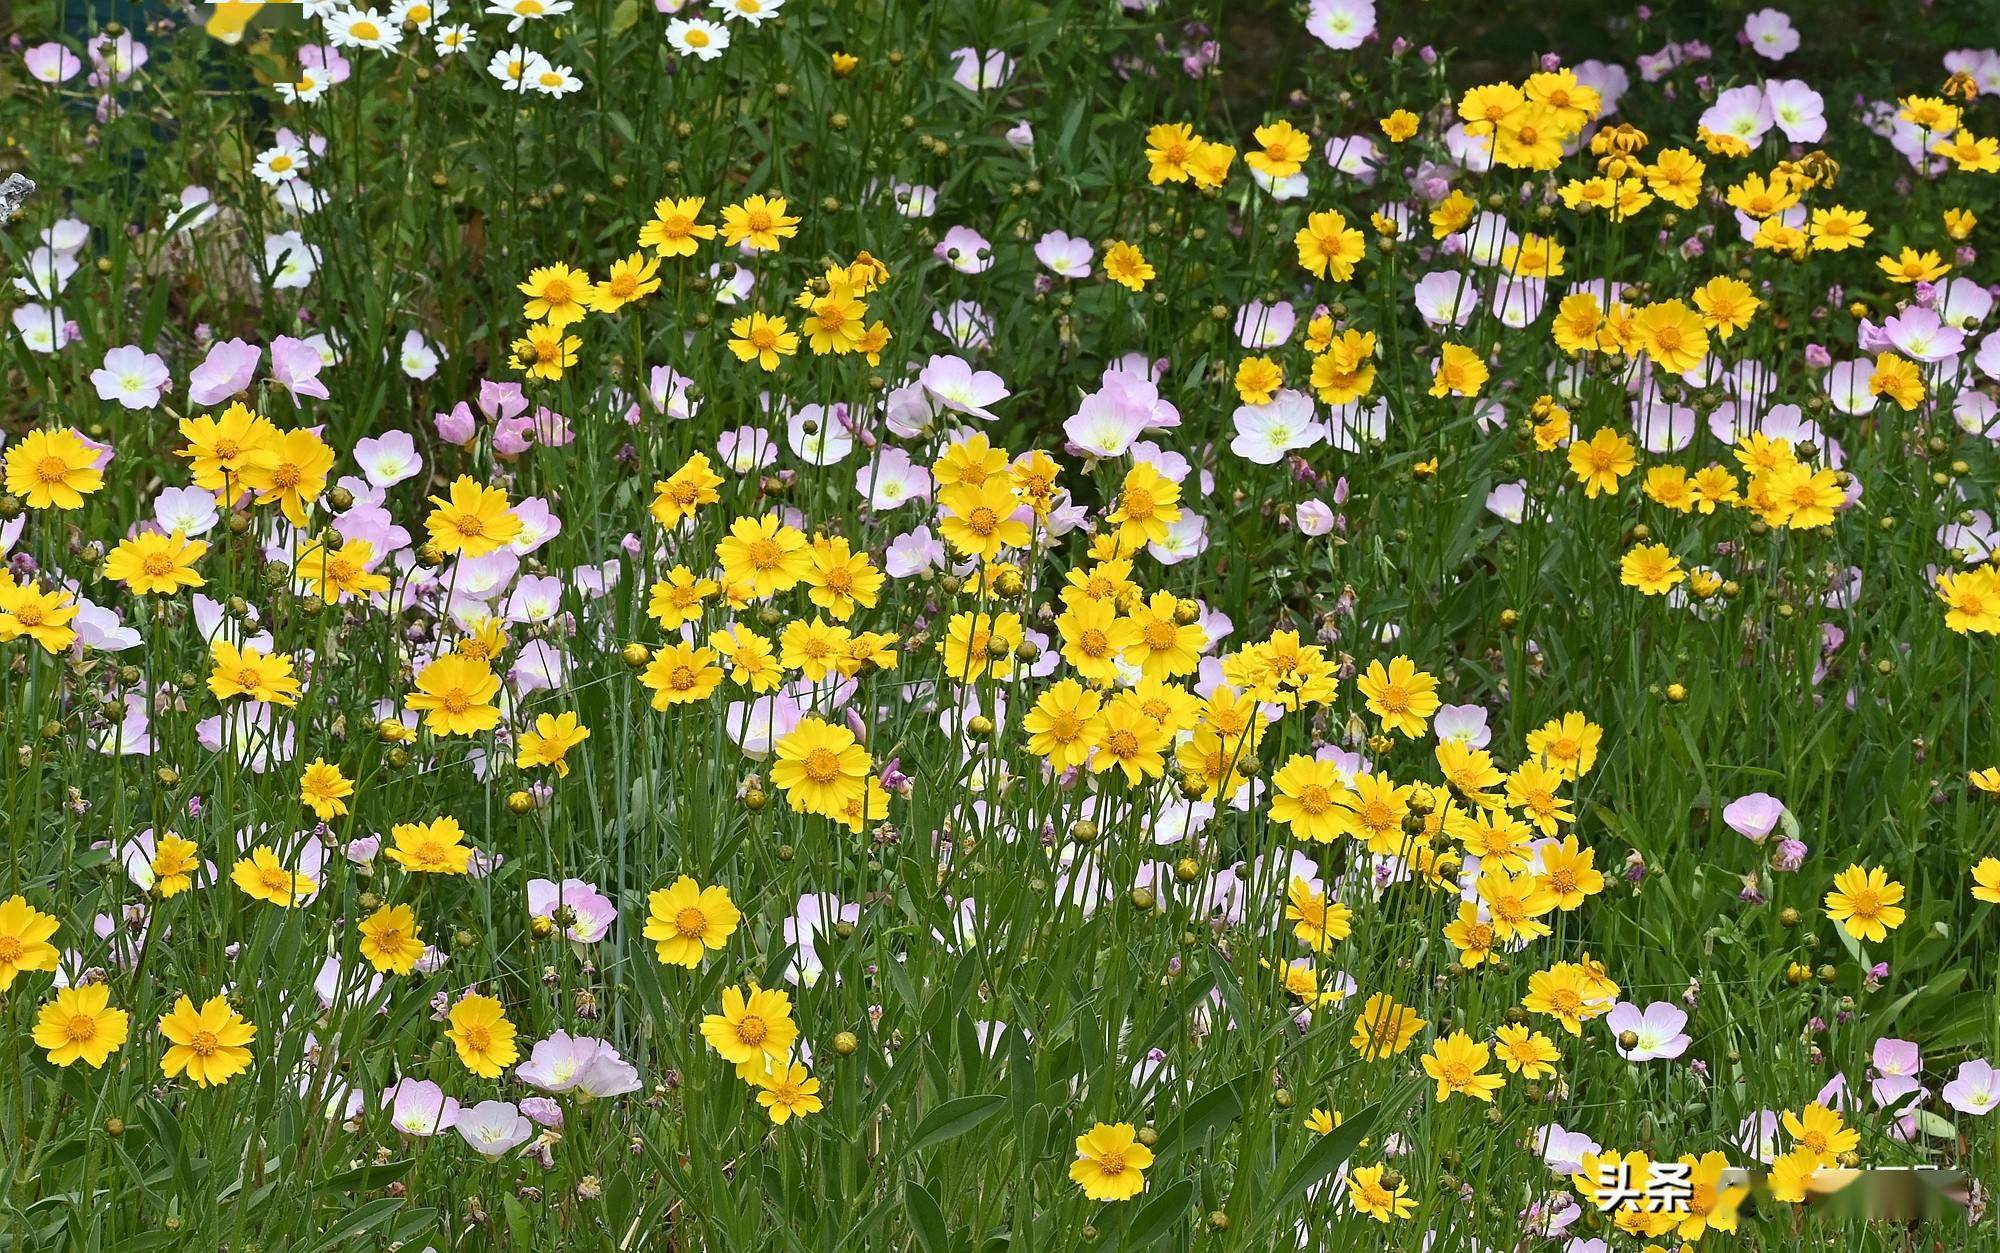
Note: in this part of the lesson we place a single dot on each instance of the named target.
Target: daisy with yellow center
(556, 295)
(676, 227)
(324, 790)
(759, 222)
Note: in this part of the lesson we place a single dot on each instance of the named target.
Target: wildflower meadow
(935, 625)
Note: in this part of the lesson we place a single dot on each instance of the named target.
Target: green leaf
(1208, 1113)
(953, 1119)
(926, 1218)
(367, 1178)
(1161, 1216)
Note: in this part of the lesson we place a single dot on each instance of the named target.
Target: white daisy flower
(452, 40)
(515, 66)
(307, 90)
(525, 11)
(421, 14)
(555, 80)
(698, 37)
(751, 11)
(280, 164)
(362, 28)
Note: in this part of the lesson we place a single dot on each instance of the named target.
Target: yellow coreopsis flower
(80, 1025)
(759, 221)
(436, 847)
(454, 693)
(265, 878)
(324, 789)
(391, 940)
(53, 469)
(1110, 1162)
(548, 742)
(557, 295)
(1864, 903)
(209, 1045)
(754, 1029)
(24, 939)
(483, 1036)
(675, 227)
(1457, 1063)
(788, 1092)
(686, 920)
(150, 563)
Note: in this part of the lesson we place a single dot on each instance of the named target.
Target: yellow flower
(336, 570)
(1258, 379)
(765, 554)
(1328, 247)
(24, 936)
(265, 678)
(1971, 600)
(820, 767)
(209, 1045)
(1456, 1062)
(1170, 147)
(981, 520)
(556, 295)
(264, 878)
(1281, 150)
(294, 474)
(1384, 1028)
(1126, 266)
(175, 861)
(150, 563)
(1526, 1053)
(475, 521)
(1792, 1175)
(482, 1035)
(686, 919)
(685, 491)
(1569, 994)
(1837, 228)
(44, 617)
(1148, 504)
(53, 469)
(1308, 792)
(391, 940)
(1316, 921)
(1601, 461)
(454, 694)
(1110, 1162)
(1125, 738)
(436, 847)
(788, 1091)
(545, 352)
(1652, 568)
(1863, 902)
(1368, 1194)
(549, 742)
(840, 579)
(1058, 726)
(1986, 880)
(681, 674)
(1821, 1130)
(1672, 335)
(675, 227)
(324, 789)
(753, 1029)
(634, 278)
(1399, 126)
(225, 452)
(760, 222)
(1911, 266)
(80, 1025)
(1401, 695)
(1459, 372)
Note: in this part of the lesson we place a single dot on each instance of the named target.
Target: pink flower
(1755, 816)
(226, 371)
(295, 366)
(501, 400)
(457, 427)
(564, 1063)
(493, 1127)
(1655, 1031)
(419, 1107)
(1770, 34)
(961, 389)
(131, 376)
(589, 912)
(52, 63)
(389, 458)
(1313, 517)
(1976, 1088)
